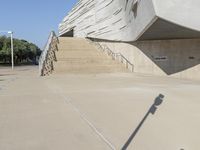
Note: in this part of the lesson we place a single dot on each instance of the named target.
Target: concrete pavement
(96, 111)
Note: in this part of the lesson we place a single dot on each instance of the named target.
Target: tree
(24, 52)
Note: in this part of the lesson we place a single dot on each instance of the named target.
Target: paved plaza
(97, 111)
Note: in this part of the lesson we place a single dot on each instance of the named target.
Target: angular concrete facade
(158, 37)
(178, 58)
(131, 20)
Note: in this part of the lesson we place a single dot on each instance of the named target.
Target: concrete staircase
(76, 55)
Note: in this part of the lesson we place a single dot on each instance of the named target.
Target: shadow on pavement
(158, 101)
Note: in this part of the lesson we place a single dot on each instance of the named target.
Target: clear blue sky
(32, 20)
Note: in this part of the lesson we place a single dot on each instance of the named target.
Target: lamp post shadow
(158, 101)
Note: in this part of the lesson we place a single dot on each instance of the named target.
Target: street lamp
(12, 51)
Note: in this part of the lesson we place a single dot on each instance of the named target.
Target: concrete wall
(176, 58)
(109, 19)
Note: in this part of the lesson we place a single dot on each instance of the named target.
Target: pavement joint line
(84, 118)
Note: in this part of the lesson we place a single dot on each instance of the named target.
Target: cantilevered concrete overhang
(162, 30)
(175, 19)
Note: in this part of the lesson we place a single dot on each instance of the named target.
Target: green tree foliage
(24, 51)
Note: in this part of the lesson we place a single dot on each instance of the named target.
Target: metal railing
(48, 55)
(115, 56)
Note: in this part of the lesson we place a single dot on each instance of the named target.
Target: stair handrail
(114, 55)
(46, 59)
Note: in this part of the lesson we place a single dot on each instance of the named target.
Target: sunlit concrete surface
(97, 112)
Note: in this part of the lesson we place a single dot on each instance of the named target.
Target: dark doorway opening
(68, 34)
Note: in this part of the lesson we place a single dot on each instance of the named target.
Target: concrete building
(157, 37)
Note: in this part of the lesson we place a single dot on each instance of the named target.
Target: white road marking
(84, 118)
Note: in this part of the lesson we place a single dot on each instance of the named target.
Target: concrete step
(87, 64)
(83, 71)
(75, 48)
(83, 51)
(90, 69)
(76, 55)
(85, 60)
(75, 45)
(80, 55)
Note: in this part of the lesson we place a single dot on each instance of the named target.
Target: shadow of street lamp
(152, 110)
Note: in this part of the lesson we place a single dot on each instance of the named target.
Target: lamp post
(12, 49)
